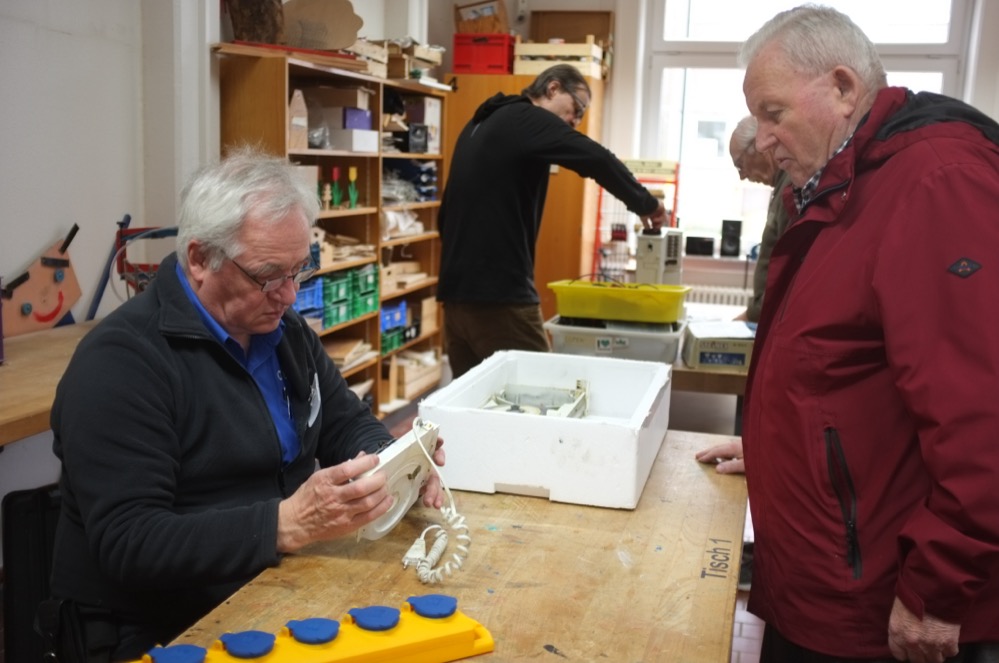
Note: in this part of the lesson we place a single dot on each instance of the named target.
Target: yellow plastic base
(414, 639)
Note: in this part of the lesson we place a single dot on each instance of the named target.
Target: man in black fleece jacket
(491, 211)
(190, 420)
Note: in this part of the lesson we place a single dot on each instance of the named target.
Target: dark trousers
(475, 331)
(777, 649)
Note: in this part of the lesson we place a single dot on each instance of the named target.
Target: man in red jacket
(871, 420)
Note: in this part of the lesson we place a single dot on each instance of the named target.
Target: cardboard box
(719, 346)
(417, 373)
(426, 110)
(349, 97)
(428, 314)
(602, 459)
(298, 122)
(340, 117)
(481, 17)
(354, 140)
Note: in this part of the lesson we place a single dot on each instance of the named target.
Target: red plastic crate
(483, 53)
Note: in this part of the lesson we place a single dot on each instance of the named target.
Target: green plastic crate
(391, 340)
(364, 279)
(336, 288)
(364, 304)
(336, 313)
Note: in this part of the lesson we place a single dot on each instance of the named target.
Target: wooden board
(545, 578)
(572, 26)
(33, 365)
(45, 298)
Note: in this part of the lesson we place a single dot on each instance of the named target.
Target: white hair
(217, 199)
(816, 39)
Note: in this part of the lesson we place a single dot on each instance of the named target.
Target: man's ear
(849, 88)
(197, 260)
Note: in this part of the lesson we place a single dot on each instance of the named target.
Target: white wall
(70, 130)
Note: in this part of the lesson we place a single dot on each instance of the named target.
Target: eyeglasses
(578, 103)
(270, 285)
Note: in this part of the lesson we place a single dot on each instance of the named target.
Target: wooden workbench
(545, 578)
(33, 365)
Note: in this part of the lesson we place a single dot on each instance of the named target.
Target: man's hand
(433, 494)
(331, 504)
(727, 457)
(657, 219)
(929, 640)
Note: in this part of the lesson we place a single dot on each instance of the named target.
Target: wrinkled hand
(657, 218)
(331, 503)
(727, 456)
(929, 640)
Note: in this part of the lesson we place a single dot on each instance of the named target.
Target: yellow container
(630, 302)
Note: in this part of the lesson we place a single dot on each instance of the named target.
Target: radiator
(715, 294)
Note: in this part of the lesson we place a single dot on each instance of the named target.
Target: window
(695, 95)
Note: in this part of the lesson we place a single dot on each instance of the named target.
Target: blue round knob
(248, 644)
(433, 606)
(314, 631)
(375, 617)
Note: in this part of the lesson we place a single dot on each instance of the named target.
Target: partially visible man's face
(752, 165)
(801, 118)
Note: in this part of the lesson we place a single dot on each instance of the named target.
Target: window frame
(948, 58)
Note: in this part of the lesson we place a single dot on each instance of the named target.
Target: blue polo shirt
(261, 362)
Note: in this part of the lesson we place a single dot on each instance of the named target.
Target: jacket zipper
(846, 495)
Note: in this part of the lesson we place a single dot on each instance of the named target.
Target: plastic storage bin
(483, 53)
(310, 296)
(621, 340)
(629, 302)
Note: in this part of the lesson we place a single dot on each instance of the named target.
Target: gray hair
(217, 199)
(817, 39)
(744, 132)
(568, 77)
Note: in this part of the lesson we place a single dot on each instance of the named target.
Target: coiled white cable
(426, 562)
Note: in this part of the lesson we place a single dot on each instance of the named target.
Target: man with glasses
(492, 206)
(190, 421)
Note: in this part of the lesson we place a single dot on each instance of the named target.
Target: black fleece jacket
(491, 210)
(171, 465)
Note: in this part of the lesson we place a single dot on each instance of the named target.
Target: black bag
(72, 634)
(29, 522)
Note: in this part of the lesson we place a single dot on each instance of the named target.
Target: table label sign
(718, 559)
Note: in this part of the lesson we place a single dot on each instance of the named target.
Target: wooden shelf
(256, 84)
(395, 294)
(339, 213)
(341, 265)
(419, 156)
(409, 239)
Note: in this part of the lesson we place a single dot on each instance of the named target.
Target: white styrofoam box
(354, 140)
(621, 340)
(602, 459)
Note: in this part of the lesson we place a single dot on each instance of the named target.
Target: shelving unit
(255, 88)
